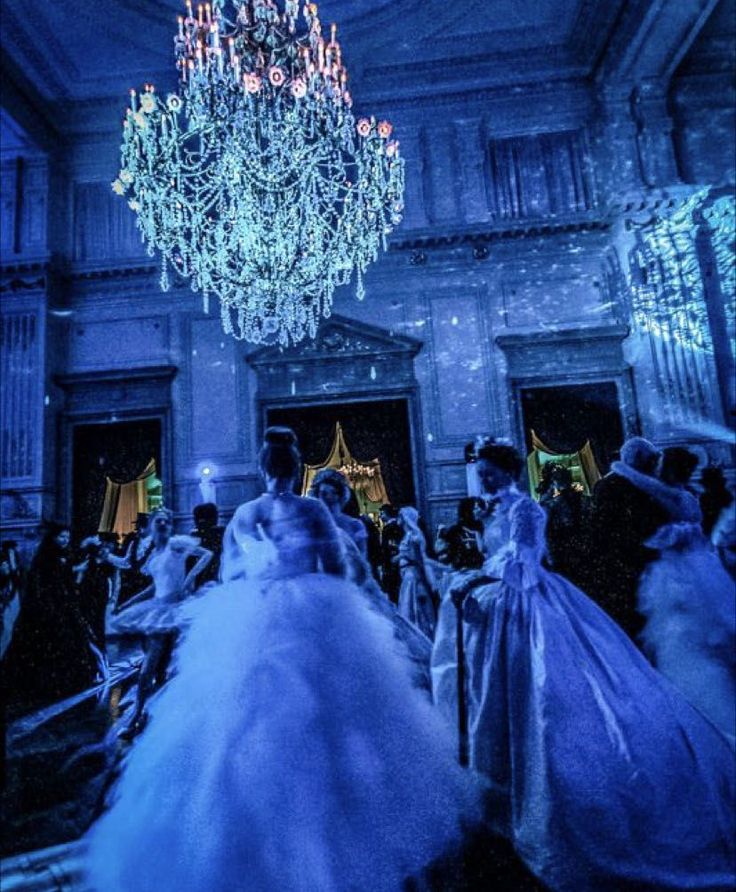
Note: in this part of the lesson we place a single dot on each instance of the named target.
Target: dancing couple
(292, 750)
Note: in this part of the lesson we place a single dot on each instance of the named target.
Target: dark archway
(565, 417)
(373, 429)
(120, 451)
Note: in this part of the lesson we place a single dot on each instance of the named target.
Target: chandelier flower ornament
(254, 181)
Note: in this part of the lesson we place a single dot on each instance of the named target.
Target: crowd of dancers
(323, 706)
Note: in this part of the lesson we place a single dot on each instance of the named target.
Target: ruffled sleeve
(519, 564)
(184, 544)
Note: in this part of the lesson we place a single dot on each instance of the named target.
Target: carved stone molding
(338, 336)
(418, 242)
(118, 391)
(579, 351)
(18, 277)
(346, 357)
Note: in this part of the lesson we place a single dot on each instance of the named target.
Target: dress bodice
(167, 567)
(519, 561)
(410, 552)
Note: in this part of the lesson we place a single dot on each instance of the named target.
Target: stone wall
(510, 269)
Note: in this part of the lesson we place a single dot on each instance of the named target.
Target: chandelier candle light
(254, 180)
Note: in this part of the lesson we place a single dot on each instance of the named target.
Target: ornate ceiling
(70, 57)
(77, 52)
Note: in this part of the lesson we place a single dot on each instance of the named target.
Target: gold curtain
(124, 501)
(581, 463)
(364, 477)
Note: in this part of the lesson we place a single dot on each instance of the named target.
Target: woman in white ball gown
(156, 612)
(291, 751)
(418, 583)
(687, 596)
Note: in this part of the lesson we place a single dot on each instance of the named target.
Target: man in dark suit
(137, 548)
(390, 538)
(623, 518)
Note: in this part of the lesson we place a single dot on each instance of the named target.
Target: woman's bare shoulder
(249, 514)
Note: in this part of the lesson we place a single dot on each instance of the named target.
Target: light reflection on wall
(669, 306)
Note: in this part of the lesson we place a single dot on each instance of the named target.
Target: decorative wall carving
(540, 175)
(20, 404)
(566, 354)
(112, 391)
(346, 357)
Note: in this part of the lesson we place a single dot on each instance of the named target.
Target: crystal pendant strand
(254, 181)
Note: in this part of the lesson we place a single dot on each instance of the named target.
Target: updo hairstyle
(279, 456)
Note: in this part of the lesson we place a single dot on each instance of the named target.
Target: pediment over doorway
(347, 359)
(338, 336)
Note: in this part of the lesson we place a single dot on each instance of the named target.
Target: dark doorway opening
(377, 429)
(565, 417)
(120, 451)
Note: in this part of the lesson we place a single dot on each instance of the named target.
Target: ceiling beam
(649, 41)
(26, 107)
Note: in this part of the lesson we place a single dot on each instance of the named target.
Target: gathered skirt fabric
(290, 752)
(603, 776)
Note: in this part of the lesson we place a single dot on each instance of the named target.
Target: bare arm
(204, 556)
(124, 562)
(242, 523)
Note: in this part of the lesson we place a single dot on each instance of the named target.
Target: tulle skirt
(290, 752)
(156, 616)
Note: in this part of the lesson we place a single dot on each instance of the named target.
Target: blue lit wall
(511, 270)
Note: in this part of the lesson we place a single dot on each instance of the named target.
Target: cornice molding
(80, 381)
(32, 275)
(525, 339)
(508, 231)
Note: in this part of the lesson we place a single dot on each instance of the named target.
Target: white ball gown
(165, 611)
(603, 776)
(689, 602)
(290, 751)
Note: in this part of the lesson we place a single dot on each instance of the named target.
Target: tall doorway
(567, 417)
(120, 452)
(373, 429)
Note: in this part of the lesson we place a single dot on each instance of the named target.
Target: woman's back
(305, 538)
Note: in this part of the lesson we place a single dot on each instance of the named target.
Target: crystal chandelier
(254, 180)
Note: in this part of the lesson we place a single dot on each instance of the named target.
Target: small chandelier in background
(254, 180)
